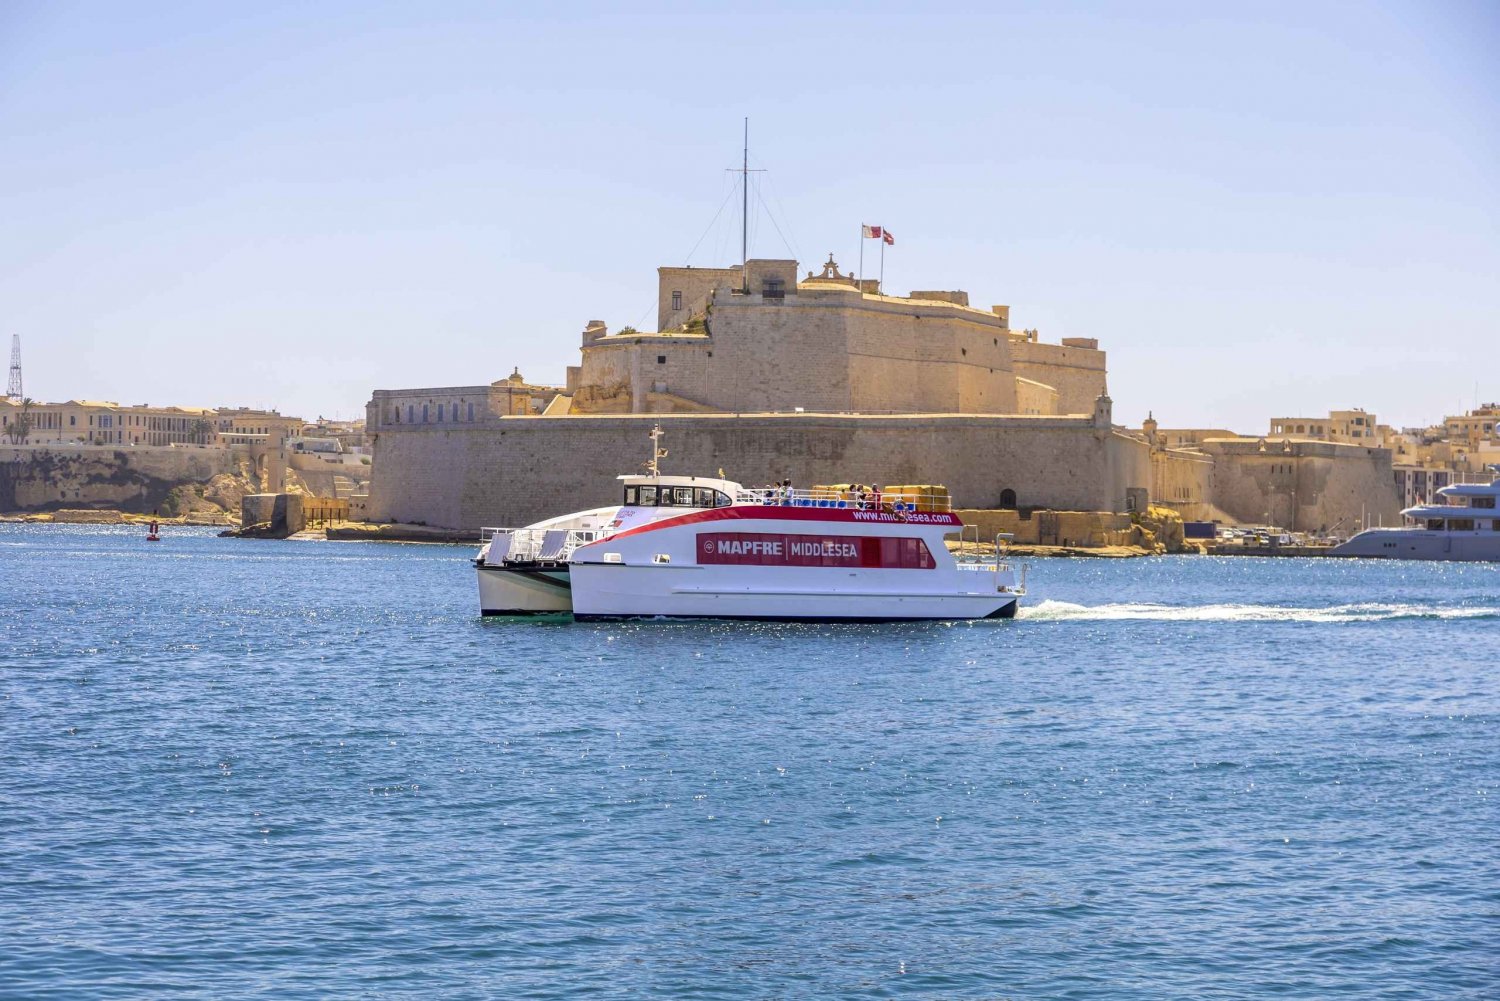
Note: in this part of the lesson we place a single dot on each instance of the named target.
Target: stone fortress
(760, 340)
(828, 378)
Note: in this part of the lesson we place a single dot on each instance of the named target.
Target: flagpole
(882, 260)
(861, 254)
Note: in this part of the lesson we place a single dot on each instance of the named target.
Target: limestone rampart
(1305, 486)
(524, 469)
(1076, 372)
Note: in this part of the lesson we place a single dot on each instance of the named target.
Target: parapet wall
(525, 469)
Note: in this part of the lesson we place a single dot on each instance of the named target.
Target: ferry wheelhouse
(706, 547)
(1465, 526)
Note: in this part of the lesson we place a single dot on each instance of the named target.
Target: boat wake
(1371, 612)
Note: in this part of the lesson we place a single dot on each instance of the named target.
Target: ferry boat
(708, 547)
(1464, 527)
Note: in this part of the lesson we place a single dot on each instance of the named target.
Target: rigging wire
(771, 216)
(711, 223)
(791, 243)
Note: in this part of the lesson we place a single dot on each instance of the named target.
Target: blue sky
(1271, 211)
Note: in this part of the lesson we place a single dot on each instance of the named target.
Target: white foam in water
(1372, 612)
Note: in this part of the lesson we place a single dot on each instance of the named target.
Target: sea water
(288, 769)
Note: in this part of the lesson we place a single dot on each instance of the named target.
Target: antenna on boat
(653, 466)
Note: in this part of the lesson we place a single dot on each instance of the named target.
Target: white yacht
(707, 547)
(1464, 526)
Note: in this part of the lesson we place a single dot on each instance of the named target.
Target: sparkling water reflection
(238, 768)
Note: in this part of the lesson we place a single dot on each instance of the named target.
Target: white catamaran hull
(517, 591)
(606, 590)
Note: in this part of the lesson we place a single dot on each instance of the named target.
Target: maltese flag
(872, 232)
(885, 235)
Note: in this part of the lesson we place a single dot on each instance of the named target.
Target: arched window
(1008, 499)
(424, 413)
(440, 413)
(471, 413)
(411, 413)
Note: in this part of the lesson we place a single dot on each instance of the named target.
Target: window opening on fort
(1008, 499)
(676, 300)
(661, 359)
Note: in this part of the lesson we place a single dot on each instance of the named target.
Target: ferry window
(632, 496)
(648, 496)
(1434, 524)
(908, 554)
(704, 497)
(684, 496)
(1461, 524)
(721, 499)
(1482, 502)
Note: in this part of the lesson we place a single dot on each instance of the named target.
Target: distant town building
(248, 426)
(1352, 427)
(101, 422)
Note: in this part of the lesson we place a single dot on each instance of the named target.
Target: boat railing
(890, 501)
(972, 553)
(535, 545)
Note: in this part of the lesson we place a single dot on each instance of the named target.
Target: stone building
(1301, 481)
(450, 406)
(769, 376)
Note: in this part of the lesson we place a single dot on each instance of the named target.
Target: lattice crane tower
(13, 388)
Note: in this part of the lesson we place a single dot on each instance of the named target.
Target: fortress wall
(1035, 398)
(1184, 481)
(619, 376)
(1312, 486)
(777, 357)
(527, 469)
(832, 351)
(929, 358)
(1078, 374)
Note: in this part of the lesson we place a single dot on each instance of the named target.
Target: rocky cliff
(171, 481)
